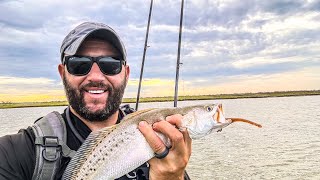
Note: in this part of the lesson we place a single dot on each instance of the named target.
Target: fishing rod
(144, 55)
(178, 57)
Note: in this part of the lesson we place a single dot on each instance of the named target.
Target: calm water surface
(287, 147)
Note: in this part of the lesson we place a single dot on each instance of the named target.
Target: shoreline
(6, 105)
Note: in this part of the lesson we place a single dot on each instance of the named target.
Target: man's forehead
(97, 43)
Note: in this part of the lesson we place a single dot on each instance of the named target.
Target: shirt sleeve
(17, 155)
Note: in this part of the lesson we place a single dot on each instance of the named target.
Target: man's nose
(95, 73)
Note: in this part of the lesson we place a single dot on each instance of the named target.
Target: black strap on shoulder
(50, 135)
(126, 109)
(73, 129)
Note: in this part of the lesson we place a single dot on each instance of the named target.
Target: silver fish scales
(112, 152)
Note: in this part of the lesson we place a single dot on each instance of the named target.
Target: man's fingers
(173, 166)
(154, 141)
(187, 140)
(175, 120)
(170, 131)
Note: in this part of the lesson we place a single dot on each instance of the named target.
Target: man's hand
(174, 164)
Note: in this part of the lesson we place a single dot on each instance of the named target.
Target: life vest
(50, 142)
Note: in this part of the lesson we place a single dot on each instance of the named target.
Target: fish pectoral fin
(245, 120)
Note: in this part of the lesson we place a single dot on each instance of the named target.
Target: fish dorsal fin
(92, 141)
(138, 113)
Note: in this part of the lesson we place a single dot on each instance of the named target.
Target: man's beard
(78, 103)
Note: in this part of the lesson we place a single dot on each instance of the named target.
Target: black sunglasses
(81, 65)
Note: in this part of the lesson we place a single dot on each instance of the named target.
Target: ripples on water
(287, 147)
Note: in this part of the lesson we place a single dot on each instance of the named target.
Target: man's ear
(127, 72)
(61, 70)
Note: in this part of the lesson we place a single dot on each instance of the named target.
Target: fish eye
(209, 108)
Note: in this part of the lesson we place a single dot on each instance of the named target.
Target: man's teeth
(96, 91)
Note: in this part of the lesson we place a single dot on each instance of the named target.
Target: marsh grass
(4, 105)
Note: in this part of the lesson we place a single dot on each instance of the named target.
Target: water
(287, 147)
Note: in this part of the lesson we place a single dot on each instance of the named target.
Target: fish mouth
(219, 118)
(218, 115)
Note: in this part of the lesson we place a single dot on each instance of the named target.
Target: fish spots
(77, 177)
(92, 169)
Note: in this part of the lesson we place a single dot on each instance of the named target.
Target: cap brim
(99, 33)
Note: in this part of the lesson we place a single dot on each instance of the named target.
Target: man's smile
(96, 91)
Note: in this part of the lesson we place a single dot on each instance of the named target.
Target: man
(94, 72)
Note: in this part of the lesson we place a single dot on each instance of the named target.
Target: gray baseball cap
(73, 40)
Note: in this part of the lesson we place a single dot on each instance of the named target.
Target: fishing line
(183, 51)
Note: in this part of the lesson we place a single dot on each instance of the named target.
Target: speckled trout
(112, 152)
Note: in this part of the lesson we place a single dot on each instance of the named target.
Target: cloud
(18, 85)
(221, 38)
(303, 79)
(14, 80)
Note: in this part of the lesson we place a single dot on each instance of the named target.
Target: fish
(114, 151)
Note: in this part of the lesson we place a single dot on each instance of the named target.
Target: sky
(228, 46)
